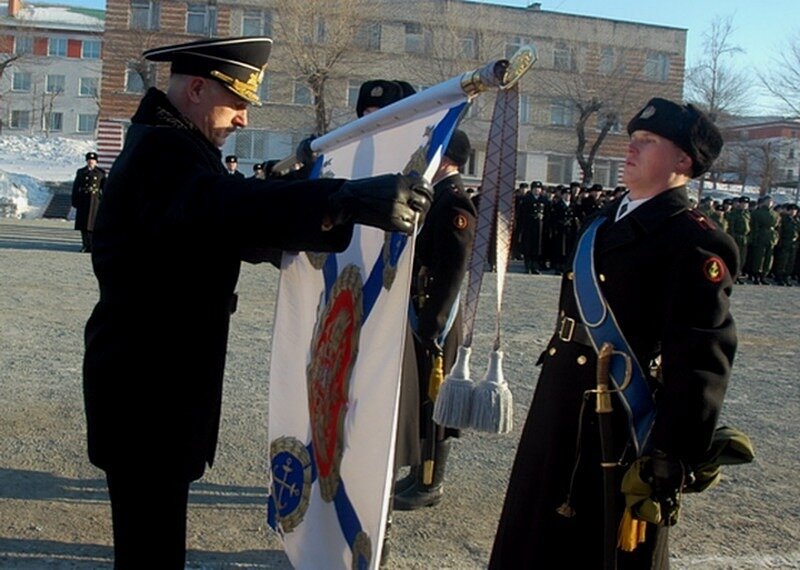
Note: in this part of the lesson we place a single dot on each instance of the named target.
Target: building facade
(590, 71)
(52, 72)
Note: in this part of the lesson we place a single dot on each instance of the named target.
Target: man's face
(222, 113)
(651, 162)
(91, 163)
(231, 165)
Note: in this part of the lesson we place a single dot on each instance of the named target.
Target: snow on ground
(28, 162)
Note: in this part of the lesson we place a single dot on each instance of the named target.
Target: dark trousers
(148, 513)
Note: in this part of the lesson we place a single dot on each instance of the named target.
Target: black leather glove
(666, 477)
(390, 202)
(430, 345)
(303, 154)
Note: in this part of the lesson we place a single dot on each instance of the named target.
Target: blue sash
(637, 398)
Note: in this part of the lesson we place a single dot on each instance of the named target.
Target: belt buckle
(567, 329)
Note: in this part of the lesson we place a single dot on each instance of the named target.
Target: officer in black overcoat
(666, 273)
(87, 190)
(167, 253)
(440, 263)
(564, 223)
(533, 211)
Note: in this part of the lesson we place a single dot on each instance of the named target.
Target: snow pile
(27, 163)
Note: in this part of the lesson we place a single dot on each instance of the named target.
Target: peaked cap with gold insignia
(237, 63)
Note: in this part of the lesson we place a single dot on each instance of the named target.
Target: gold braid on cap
(246, 90)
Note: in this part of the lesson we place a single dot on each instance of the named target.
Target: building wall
(31, 99)
(280, 123)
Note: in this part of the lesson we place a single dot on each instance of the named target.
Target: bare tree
(318, 35)
(714, 84)
(783, 77)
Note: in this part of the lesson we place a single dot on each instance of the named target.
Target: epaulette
(701, 220)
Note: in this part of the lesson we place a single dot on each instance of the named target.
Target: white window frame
(82, 128)
(14, 119)
(201, 19)
(55, 83)
(562, 113)
(54, 46)
(144, 15)
(23, 45)
(25, 78)
(85, 87)
(49, 118)
(297, 96)
(259, 22)
(656, 66)
(95, 52)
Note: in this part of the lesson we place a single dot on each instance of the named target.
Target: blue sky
(761, 27)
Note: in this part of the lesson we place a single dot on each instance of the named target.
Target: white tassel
(452, 406)
(492, 403)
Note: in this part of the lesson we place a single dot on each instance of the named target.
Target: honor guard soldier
(232, 163)
(167, 252)
(533, 209)
(87, 190)
(649, 279)
(764, 222)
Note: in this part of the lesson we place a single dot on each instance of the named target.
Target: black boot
(421, 495)
(407, 481)
(385, 550)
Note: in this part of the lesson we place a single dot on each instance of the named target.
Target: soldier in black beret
(659, 275)
(168, 246)
(87, 190)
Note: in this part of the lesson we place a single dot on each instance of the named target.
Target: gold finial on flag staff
(499, 74)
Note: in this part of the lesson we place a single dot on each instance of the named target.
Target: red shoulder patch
(701, 220)
(714, 269)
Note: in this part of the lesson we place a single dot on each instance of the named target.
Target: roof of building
(54, 17)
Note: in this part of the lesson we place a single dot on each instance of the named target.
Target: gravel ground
(54, 510)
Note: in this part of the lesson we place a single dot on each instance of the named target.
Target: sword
(607, 461)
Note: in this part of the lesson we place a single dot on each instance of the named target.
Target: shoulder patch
(701, 220)
(460, 222)
(714, 269)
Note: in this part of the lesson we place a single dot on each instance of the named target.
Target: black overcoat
(442, 248)
(87, 190)
(657, 270)
(167, 250)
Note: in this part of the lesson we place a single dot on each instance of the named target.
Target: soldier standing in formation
(764, 222)
(739, 228)
(564, 225)
(232, 162)
(533, 212)
(87, 190)
(786, 250)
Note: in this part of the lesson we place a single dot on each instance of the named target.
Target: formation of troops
(547, 220)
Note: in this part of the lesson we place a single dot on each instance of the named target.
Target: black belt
(572, 330)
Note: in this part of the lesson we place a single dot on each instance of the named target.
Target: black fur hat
(686, 126)
(381, 93)
(458, 148)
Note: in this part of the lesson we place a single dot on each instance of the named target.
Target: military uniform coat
(667, 275)
(87, 190)
(167, 251)
(442, 248)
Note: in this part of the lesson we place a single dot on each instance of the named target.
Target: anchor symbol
(284, 486)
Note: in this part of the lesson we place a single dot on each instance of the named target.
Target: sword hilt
(603, 400)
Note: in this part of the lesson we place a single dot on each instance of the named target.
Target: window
(23, 45)
(145, 14)
(353, 88)
(513, 45)
(20, 120)
(368, 36)
(264, 89)
(562, 113)
(302, 94)
(471, 168)
(54, 84)
(602, 119)
(525, 109)
(54, 121)
(87, 123)
(21, 81)
(57, 47)
(656, 66)
(559, 169)
(602, 172)
(522, 166)
(791, 154)
(134, 82)
(259, 144)
(201, 19)
(87, 87)
(563, 57)
(415, 38)
(608, 60)
(90, 49)
(469, 46)
(257, 23)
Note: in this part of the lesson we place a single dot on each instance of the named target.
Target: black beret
(458, 148)
(237, 63)
(91, 156)
(381, 93)
(686, 126)
(231, 158)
